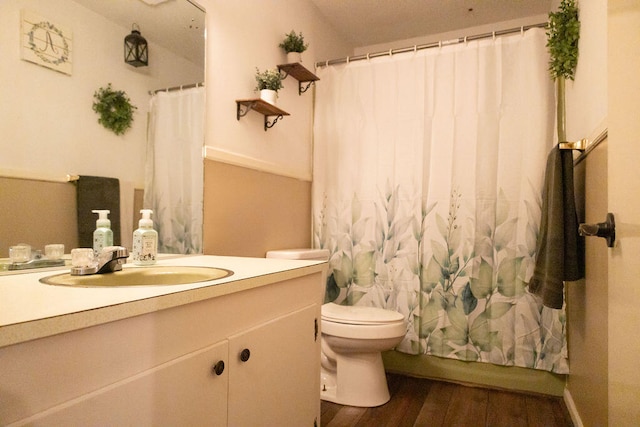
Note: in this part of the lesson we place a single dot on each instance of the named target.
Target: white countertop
(30, 309)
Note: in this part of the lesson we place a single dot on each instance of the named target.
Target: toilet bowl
(352, 339)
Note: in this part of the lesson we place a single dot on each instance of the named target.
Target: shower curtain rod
(171, 89)
(441, 43)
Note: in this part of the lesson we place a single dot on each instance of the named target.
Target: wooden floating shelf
(243, 106)
(300, 73)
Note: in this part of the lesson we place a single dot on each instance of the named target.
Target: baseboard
(482, 374)
(571, 407)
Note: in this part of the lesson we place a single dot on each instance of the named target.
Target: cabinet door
(184, 391)
(279, 384)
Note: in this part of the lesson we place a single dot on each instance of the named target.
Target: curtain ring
(348, 58)
(415, 48)
(440, 44)
(465, 39)
(390, 52)
(522, 30)
(326, 64)
(368, 56)
(494, 36)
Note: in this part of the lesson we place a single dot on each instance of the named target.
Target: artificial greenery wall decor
(562, 40)
(115, 109)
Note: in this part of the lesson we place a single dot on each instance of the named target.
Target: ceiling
(360, 22)
(370, 22)
(177, 25)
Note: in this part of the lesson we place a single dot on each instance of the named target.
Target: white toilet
(353, 337)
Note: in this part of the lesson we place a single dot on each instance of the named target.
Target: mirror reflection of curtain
(174, 169)
(428, 173)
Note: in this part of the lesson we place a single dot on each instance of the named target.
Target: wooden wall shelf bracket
(300, 73)
(243, 106)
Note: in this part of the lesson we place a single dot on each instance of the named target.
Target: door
(184, 391)
(277, 382)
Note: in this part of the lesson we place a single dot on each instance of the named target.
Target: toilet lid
(356, 315)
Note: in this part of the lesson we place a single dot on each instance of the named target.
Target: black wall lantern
(136, 52)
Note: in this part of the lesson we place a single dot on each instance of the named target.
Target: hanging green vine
(114, 108)
(562, 40)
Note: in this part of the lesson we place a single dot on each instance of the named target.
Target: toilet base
(359, 380)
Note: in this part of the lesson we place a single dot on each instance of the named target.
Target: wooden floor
(422, 402)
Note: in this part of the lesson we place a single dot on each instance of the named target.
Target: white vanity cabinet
(159, 368)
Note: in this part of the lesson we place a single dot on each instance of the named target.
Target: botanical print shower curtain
(428, 170)
(174, 169)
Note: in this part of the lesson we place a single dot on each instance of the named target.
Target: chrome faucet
(110, 259)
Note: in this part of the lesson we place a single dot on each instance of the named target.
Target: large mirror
(49, 129)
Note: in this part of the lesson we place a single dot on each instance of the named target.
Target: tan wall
(247, 212)
(42, 212)
(624, 188)
(37, 213)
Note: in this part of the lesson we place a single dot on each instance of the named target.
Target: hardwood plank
(328, 410)
(434, 407)
(542, 411)
(422, 402)
(506, 409)
(468, 404)
(402, 409)
(347, 416)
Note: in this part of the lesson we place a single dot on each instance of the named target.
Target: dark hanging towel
(95, 192)
(560, 250)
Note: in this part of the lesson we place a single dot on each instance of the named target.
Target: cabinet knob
(245, 355)
(218, 368)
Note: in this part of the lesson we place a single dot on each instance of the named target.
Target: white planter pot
(293, 57)
(269, 96)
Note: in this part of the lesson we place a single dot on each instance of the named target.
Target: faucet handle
(115, 252)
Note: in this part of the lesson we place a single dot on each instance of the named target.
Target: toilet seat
(356, 315)
(361, 322)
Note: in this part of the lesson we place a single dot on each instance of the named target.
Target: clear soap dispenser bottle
(103, 236)
(145, 240)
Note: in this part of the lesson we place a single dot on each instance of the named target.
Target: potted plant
(293, 44)
(562, 41)
(269, 82)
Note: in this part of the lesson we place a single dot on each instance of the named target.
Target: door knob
(605, 229)
(245, 355)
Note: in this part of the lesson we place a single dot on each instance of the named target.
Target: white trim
(571, 407)
(219, 155)
(33, 175)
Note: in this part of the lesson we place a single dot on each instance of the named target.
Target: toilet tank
(304, 254)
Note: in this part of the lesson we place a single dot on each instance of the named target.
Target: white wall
(587, 95)
(450, 35)
(243, 35)
(47, 126)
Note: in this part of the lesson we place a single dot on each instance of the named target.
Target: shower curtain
(428, 173)
(174, 169)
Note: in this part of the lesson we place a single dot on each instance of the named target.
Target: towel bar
(574, 145)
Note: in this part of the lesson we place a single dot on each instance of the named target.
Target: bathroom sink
(143, 276)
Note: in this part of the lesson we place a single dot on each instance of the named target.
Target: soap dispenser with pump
(102, 236)
(145, 240)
